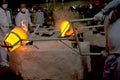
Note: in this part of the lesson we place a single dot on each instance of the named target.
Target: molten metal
(66, 29)
(14, 38)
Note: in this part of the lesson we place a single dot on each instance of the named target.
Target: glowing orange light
(23, 23)
(14, 38)
(66, 29)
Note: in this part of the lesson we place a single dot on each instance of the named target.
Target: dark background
(14, 4)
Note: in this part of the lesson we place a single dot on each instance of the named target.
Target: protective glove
(99, 16)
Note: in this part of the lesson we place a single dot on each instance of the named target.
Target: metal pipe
(48, 39)
(91, 54)
(77, 40)
(69, 46)
(83, 27)
(48, 31)
(80, 20)
(94, 26)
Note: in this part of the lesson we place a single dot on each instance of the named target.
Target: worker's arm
(107, 9)
(111, 5)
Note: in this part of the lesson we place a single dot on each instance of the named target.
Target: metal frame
(75, 37)
(68, 38)
(11, 46)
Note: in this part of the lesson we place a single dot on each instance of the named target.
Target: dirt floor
(97, 63)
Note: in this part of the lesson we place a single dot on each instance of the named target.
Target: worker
(23, 19)
(39, 17)
(111, 16)
(5, 22)
(5, 17)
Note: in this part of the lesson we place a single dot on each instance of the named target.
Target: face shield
(23, 9)
(5, 6)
